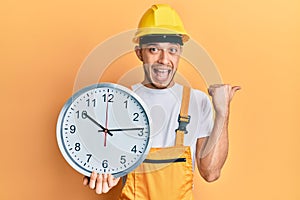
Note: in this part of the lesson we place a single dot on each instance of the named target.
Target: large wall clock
(104, 128)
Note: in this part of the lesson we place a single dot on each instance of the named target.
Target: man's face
(160, 61)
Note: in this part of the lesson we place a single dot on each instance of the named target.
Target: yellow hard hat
(160, 19)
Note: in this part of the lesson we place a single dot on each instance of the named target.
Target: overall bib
(166, 173)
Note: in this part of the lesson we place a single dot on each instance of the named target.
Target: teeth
(161, 70)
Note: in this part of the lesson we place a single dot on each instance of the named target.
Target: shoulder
(200, 98)
(199, 93)
(136, 86)
(195, 93)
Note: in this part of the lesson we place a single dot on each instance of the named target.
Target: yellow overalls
(166, 173)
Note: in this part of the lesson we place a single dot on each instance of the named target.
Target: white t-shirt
(164, 106)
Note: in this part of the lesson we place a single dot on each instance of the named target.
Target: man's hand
(221, 95)
(101, 183)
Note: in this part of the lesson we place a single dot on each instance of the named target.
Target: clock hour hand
(123, 129)
(95, 122)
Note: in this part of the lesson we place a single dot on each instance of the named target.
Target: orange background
(255, 44)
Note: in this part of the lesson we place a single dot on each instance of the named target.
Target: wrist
(222, 114)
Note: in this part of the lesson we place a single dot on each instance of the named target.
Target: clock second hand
(106, 121)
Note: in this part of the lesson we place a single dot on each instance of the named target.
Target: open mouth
(161, 74)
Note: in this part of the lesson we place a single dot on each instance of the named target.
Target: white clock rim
(62, 114)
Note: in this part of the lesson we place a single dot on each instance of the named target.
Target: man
(178, 142)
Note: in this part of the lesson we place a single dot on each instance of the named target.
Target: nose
(164, 57)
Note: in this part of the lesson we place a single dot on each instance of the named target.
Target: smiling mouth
(162, 73)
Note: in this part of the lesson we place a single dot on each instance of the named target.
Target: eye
(173, 50)
(153, 49)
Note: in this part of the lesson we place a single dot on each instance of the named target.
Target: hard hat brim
(159, 31)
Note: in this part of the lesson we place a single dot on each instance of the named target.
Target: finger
(86, 180)
(99, 184)
(216, 85)
(233, 91)
(93, 178)
(212, 88)
(236, 88)
(210, 92)
(112, 181)
(105, 187)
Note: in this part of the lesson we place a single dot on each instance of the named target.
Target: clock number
(89, 102)
(83, 114)
(123, 159)
(136, 115)
(108, 98)
(105, 163)
(72, 129)
(141, 133)
(134, 149)
(126, 103)
(77, 146)
(89, 157)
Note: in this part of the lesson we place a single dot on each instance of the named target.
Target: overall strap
(183, 118)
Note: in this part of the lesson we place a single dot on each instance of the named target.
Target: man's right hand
(101, 183)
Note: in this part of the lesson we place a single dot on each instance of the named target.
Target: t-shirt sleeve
(206, 119)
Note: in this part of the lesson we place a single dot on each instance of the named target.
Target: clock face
(104, 128)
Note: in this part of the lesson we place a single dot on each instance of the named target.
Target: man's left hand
(222, 95)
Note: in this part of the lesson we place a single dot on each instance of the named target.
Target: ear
(138, 52)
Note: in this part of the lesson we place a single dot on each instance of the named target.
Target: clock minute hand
(95, 122)
(123, 129)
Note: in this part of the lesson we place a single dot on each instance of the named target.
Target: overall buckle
(183, 122)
